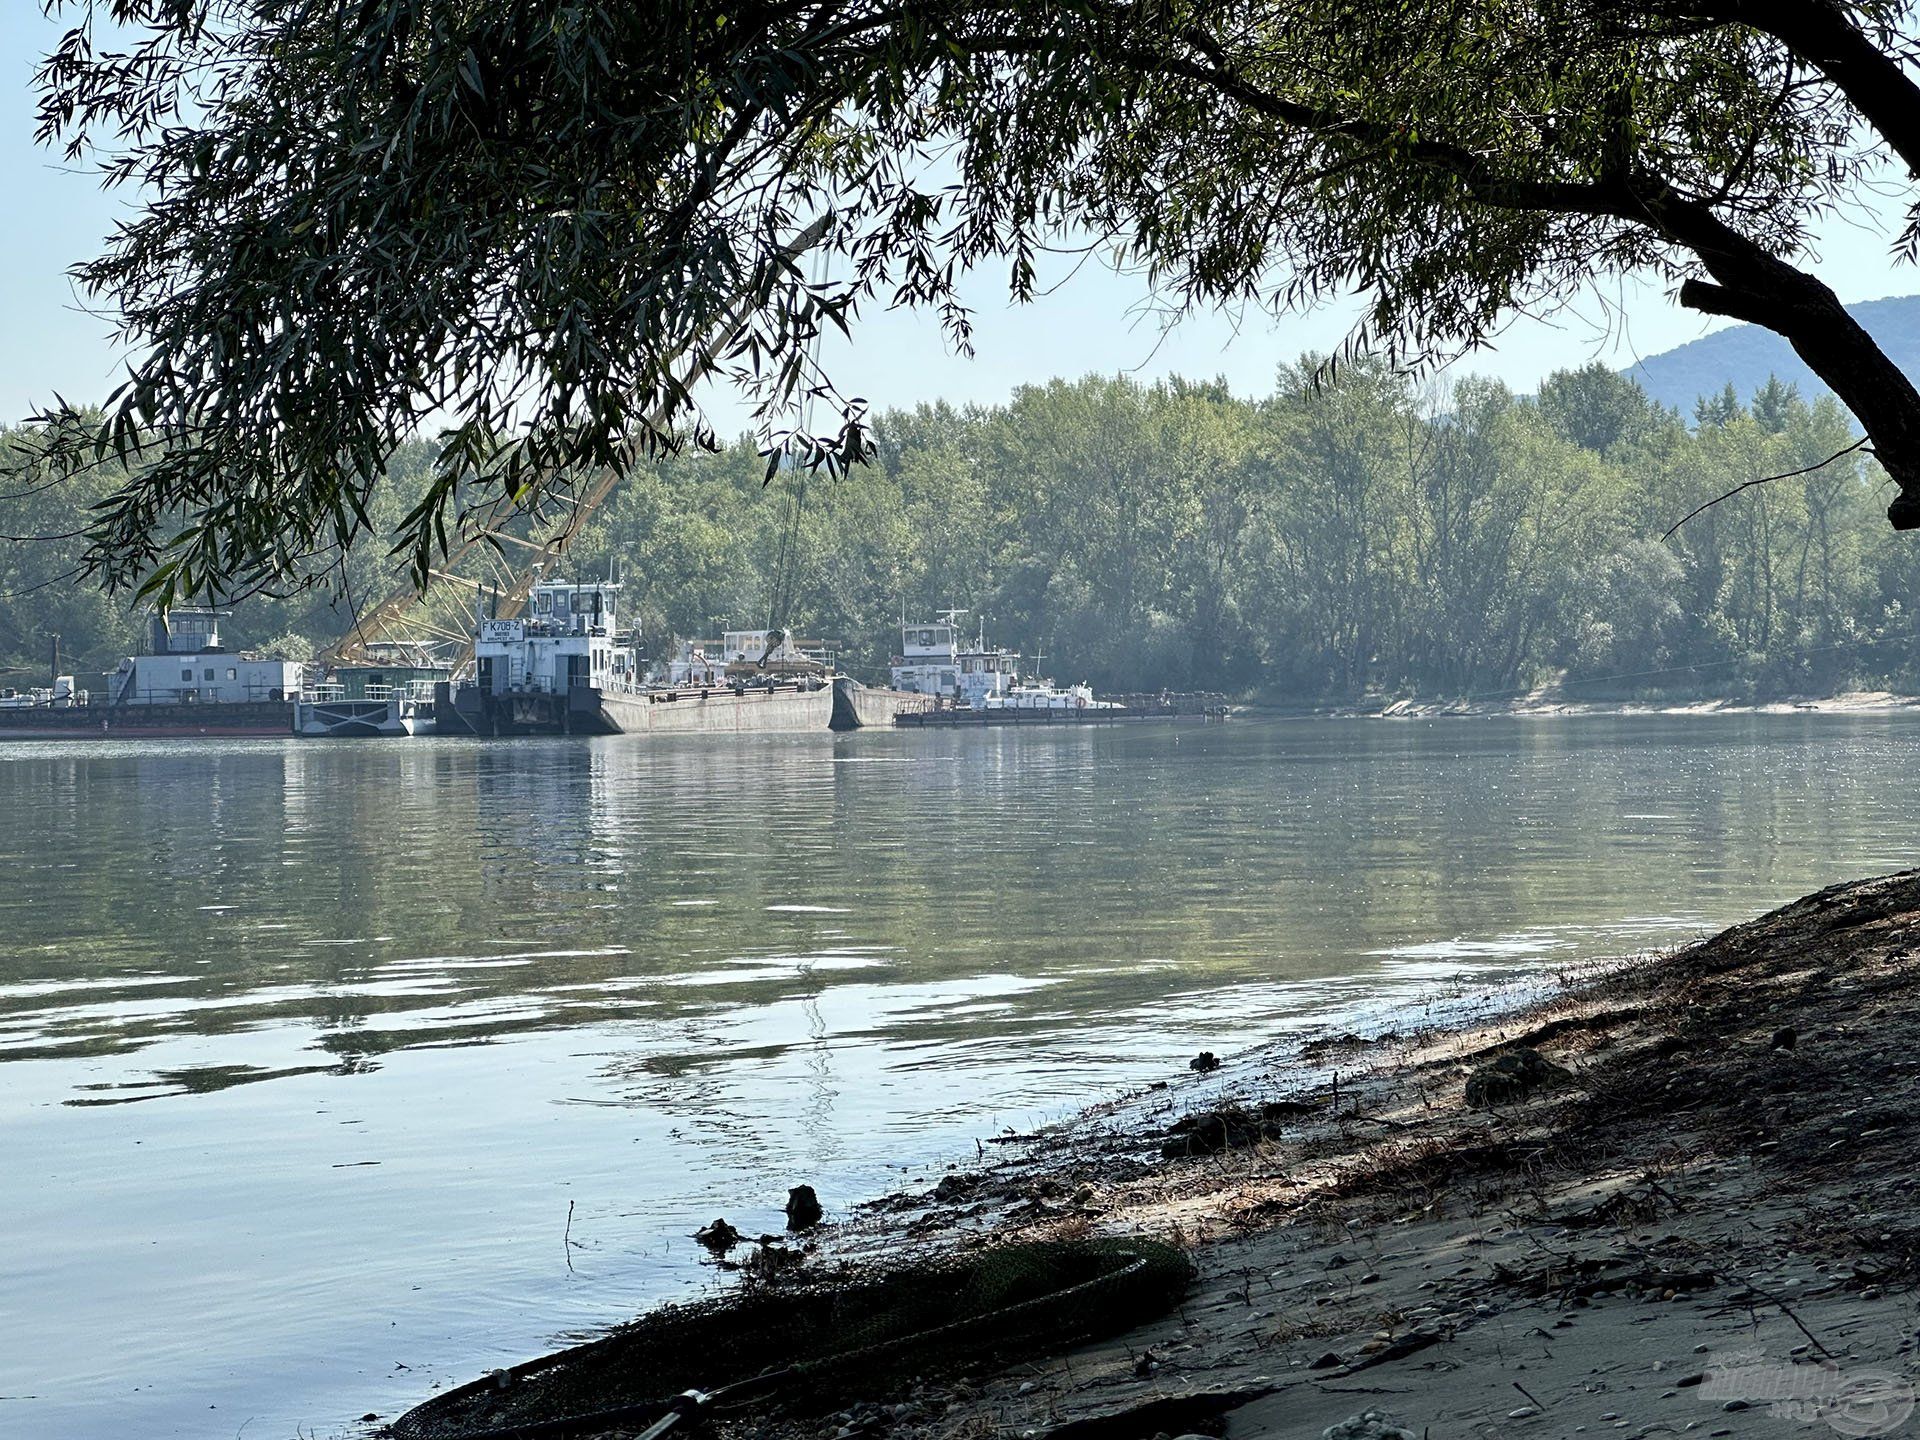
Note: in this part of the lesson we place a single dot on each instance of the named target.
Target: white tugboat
(566, 667)
(932, 661)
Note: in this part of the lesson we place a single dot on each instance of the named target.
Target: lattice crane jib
(439, 615)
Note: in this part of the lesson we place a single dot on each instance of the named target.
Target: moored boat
(211, 721)
(978, 685)
(389, 693)
(327, 711)
(566, 668)
(186, 686)
(777, 706)
(933, 662)
(860, 707)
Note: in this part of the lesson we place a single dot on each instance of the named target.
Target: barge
(977, 685)
(187, 685)
(232, 720)
(861, 707)
(566, 668)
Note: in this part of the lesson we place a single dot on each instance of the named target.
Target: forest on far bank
(1368, 536)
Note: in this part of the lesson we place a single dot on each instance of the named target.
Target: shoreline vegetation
(1308, 546)
(1548, 702)
(1661, 1196)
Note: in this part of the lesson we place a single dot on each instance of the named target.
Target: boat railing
(1164, 702)
(405, 690)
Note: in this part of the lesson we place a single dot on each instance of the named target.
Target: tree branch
(1711, 299)
(1821, 33)
(1859, 444)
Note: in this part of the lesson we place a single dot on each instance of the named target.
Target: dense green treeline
(1365, 536)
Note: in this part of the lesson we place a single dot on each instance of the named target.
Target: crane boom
(395, 617)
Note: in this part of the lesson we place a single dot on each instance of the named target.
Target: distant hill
(1746, 355)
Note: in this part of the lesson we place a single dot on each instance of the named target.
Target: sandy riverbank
(1666, 1197)
(1712, 1211)
(1553, 701)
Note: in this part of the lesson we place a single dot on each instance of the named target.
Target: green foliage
(536, 219)
(46, 590)
(1330, 540)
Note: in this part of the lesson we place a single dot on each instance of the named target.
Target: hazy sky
(54, 217)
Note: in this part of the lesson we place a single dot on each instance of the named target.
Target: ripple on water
(311, 1050)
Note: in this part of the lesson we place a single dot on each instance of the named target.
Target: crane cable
(784, 581)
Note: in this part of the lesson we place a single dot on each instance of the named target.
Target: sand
(1693, 1211)
(1552, 700)
(1708, 1223)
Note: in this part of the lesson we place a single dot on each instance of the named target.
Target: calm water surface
(306, 1049)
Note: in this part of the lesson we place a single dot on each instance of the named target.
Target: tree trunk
(1753, 285)
(1847, 358)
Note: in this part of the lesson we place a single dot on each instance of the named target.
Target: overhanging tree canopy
(537, 216)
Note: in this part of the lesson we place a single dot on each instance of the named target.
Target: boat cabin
(379, 681)
(751, 653)
(569, 637)
(933, 660)
(189, 666)
(698, 665)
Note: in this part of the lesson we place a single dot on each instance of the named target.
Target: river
(314, 1055)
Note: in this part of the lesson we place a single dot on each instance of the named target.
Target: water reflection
(388, 1010)
(362, 900)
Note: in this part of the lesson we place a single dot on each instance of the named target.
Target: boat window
(209, 672)
(186, 676)
(232, 674)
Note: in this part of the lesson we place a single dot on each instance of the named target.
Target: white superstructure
(1045, 695)
(189, 666)
(568, 637)
(697, 664)
(58, 696)
(934, 661)
(749, 655)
